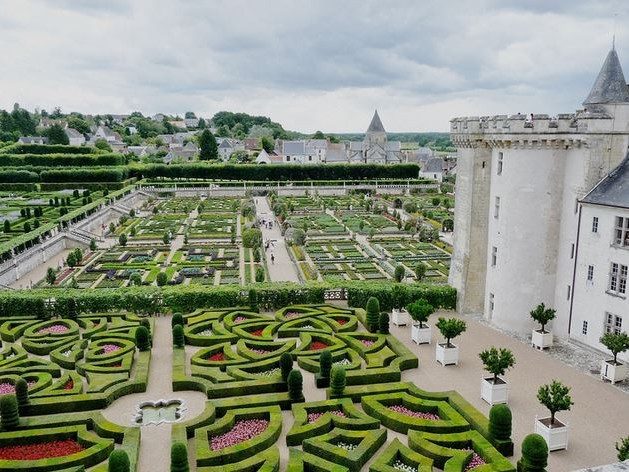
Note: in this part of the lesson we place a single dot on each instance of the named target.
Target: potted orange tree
(556, 397)
(494, 389)
(447, 353)
(399, 296)
(540, 338)
(420, 311)
(612, 369)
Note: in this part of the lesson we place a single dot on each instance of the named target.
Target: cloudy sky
(320, 64)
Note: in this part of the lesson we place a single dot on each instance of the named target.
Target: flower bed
(42, 450)
(206, 332)
(317, 346)
(257, 332)
(8, 387)
(69, 385)
(261, 352)
(218, 356)
(367, 342)
(399, 465)
(343, 362)
(346, 446)
(289, 315)
(242, 431)
(109, 348)
(415, 414)
(312, 417)
(270, 372)
(240, 319)
(54, 329)
(476, 460)
(340, 321)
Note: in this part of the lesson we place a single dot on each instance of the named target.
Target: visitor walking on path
(272, 259)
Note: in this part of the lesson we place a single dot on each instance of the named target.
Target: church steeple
(610, 85)
(376, 125)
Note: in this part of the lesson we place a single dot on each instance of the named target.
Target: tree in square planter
(540, 338)
(447, 353)
(399, 295)
(556, 397)
(494, 390)
(612, 369)
(420, 311)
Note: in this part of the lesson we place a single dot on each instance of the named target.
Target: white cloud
(312, 64)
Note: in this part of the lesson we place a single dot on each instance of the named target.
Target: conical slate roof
(610, 85)
(376, 125)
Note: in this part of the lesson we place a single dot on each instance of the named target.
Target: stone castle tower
(375, 135)
(519, 179)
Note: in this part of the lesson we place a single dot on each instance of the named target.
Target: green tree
(21, 393)
(7, 226)
(27, 227)
(623, 449)
(51, 276)
(135, 279)
(118, 461)
(177, 319)
(40, 309)
(399, 273)
(337, 380)
(253, 300)
(178, 337)
(556, 397)
(102, 144)
(497, 361)
(57, 135)
(420, 271)
(325, 363)
(295, 385)
(92, 245)
(71, 259)
(373, 314)
(208, 149)
(267, 143)
(161, 279)
(500, 419)
(286, 365)
(79, 124)
(179, 457)
(383, 323)
(122, 239)
(9, 414)
(450, 328)
(616, 343)
(543, 315)
(260, 275)
(420, 310)
(142, 338)
(318, 135)
(251, 237)
(71, 306)
(534, 454)
(166, 238)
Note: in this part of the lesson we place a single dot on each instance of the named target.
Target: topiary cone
(142, 338)
(178, 338)
(500, 422)
(21, 392)
(295, 385)
(325, 363)
(286, 365)
(177, 319)
(118, 461)
(179, 458)
(337, 380)
(9, 415)
(373, 314)
(383, 322)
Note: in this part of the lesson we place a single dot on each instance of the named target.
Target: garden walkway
(155, 439)
(39, 272)
(283, 270)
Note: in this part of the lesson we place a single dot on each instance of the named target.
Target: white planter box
(541, 340)
(447, 355)
(421, 335)
(494, 394)
(399, 317)
(613, 373)
(556, 437)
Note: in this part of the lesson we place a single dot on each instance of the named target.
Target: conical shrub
(373, 314)
(118, 461)
(142, 340)
(337, 380)
(9, 415)
(295, 385)
(177, 319)
(534, 454)
(286, 365)
(178, 338)
(179, 458)
(21, 392)
(325, 363)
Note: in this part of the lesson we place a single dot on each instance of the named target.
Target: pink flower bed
(415, 414)
(56, 329)
(8, 387)
(367, 342)
(312, 417)
(240, 319)
(107, 348)
(476, 461)
(289, 315)
(242, 431)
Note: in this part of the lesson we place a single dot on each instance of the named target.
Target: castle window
(621, 233)
(595, 224)
(590, 273)
(572, 252)
(613, 323)
(617, 278)
(497, 208)
(500, 157)
(491, 302)
(569, 290)
(494, 256)
(584, 328)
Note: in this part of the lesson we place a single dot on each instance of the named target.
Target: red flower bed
(257, 332)
(317, 346)
(219, 356)
(340, 321)
(42, 450)
(69, 385)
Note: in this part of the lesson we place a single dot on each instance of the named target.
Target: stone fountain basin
(158, 412)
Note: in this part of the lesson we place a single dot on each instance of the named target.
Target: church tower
(375, 135)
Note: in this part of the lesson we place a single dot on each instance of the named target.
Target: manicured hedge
(85, 174)
(47, 149)
(188, 298)
(398, 451)
(266, 461)
(13, 176)
(65, 160)
(300, 461)
(277, 172)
